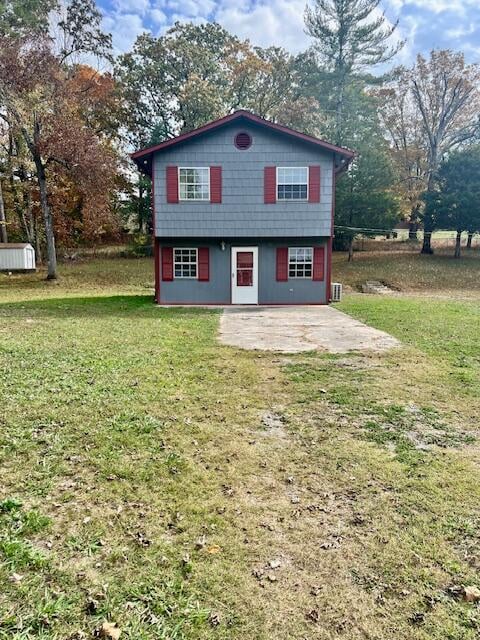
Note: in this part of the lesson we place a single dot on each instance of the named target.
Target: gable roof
(143, 157)
(15, 245)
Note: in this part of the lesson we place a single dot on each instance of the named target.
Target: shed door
(244, 275)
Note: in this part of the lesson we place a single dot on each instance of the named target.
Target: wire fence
(399, 241)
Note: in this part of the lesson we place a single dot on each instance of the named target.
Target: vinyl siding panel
(217, 290)
(243, 212)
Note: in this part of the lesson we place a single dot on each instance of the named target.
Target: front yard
(182, 489)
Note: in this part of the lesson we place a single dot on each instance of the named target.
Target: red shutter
(282, 264)
(216, 185)
(270, 185)
(314, 184)
(172, 185)
(167, 263)
(318, 263)
(204, 264)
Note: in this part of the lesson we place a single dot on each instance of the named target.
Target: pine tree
(348, 41)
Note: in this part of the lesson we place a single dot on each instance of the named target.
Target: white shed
(17, 257)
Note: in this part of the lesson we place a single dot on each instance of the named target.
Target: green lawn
(142, 481)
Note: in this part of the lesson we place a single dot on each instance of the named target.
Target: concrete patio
(299, 328)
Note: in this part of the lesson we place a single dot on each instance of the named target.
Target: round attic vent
(243, 140)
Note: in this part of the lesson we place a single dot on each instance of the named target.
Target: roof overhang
(143, 157)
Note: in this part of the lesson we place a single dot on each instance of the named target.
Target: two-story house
(243, 213)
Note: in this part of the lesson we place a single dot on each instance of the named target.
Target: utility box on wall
(17, 257)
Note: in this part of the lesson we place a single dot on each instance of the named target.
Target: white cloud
(124, 29)
(158, 16)
(437, 6)
(424, 24)
(139, 7)
(192, 8)
(274, 22)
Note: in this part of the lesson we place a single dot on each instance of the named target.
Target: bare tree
(446, 92)
(401, 121)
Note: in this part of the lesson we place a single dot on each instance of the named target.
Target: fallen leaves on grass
(471, 594)
(108, 630)
(313, 615)
(214, 619)
(16, 578)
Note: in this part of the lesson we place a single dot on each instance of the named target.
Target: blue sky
(425, 24)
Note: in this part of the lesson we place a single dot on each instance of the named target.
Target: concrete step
(376, 287)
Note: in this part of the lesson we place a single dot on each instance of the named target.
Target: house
(243, 213)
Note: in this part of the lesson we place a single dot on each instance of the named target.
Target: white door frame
(244, 295)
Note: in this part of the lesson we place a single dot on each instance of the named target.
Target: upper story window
(292, 183)
(300, 262)
(194, 183)
(185, 263)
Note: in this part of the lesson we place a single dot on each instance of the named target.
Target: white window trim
(292, 199)
(175, 277)
(194, 199)
(290, 249)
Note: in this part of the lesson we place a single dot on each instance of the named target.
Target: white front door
(244, 275)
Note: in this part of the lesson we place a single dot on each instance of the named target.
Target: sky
(424, 24)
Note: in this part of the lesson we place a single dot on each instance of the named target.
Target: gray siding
(217, 289)
(242, 212)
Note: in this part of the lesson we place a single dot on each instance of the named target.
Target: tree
(349, 40)
(446, 93)
(400, 119)
(23, 17)
(366, 201)
(3, 221)
(197, 73)
(455, 201)
(78, 31)
(42, 112)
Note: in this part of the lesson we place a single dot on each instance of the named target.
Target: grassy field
(439, 275)
(186, 490)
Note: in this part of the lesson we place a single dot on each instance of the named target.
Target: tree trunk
(38, 244)
(427, 243)
(3, 222)
(458, 244)
(32, 227)
(20, 210)
(428, 222)
(47, 219)
(350, 249)
(339, 108)
(469, 239)
(413, 223)
(427, 236)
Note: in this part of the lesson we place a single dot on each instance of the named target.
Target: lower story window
(185, 261)
(300, 260)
